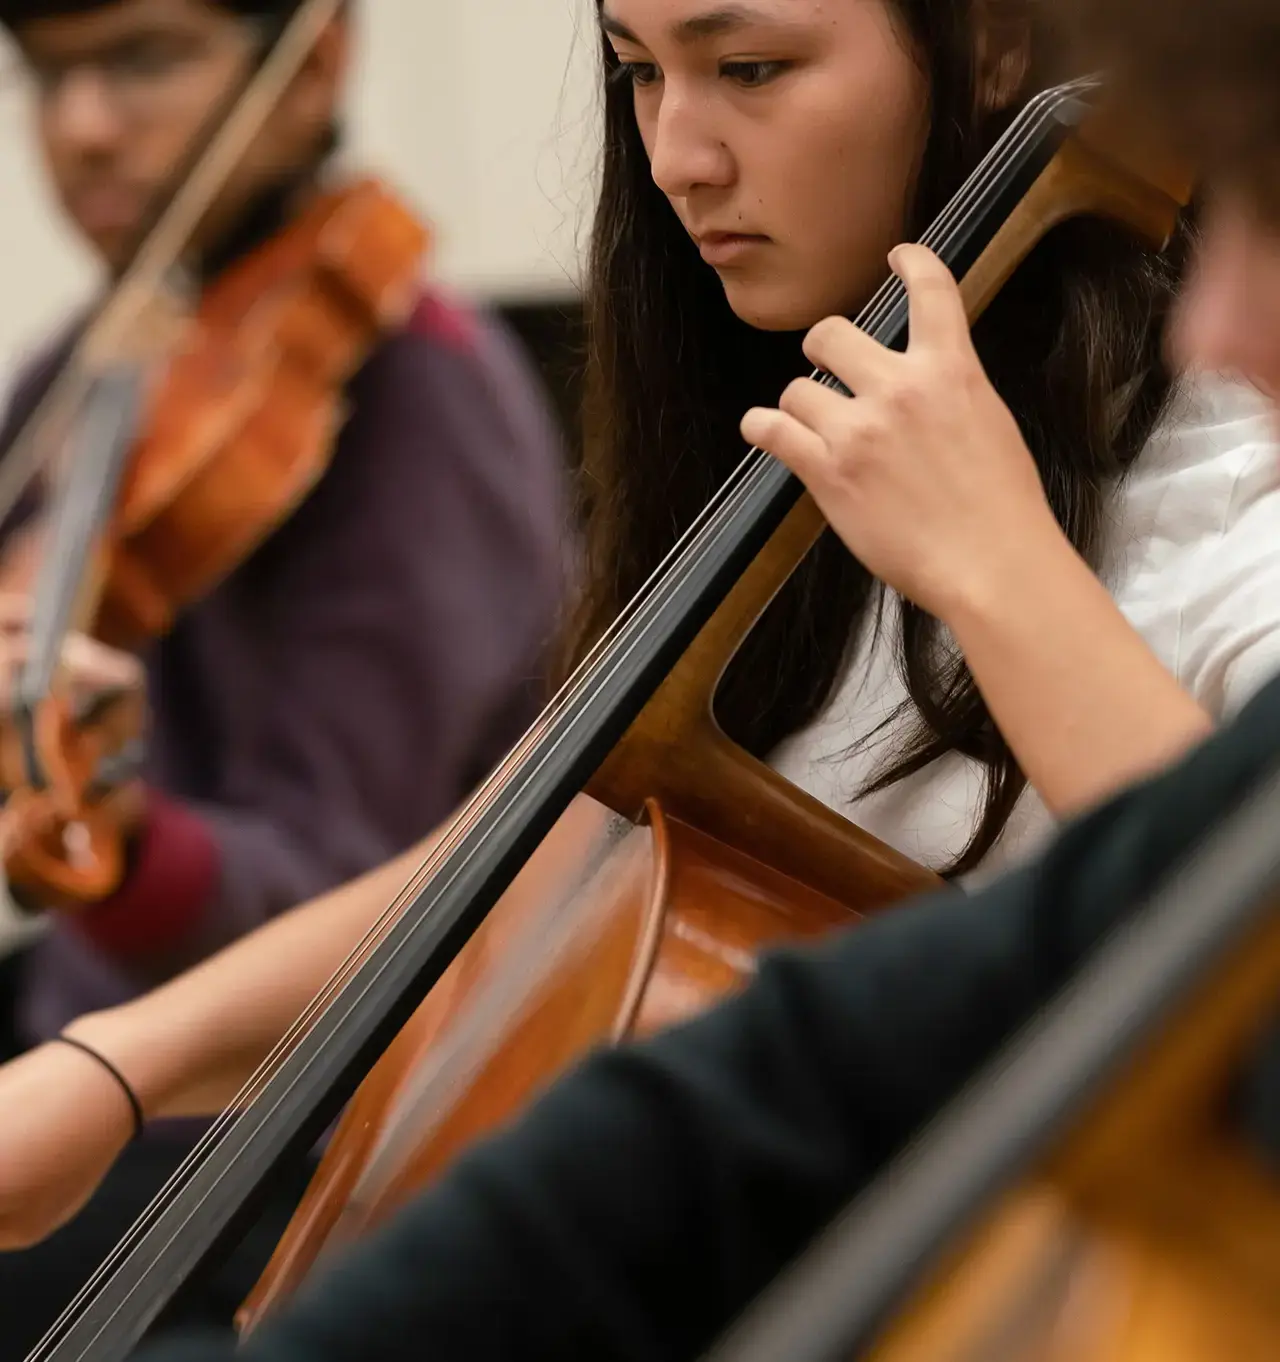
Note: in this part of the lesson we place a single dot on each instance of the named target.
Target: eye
(634, 72)
(753, 74)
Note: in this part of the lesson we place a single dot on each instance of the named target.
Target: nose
(685, 151)
(1228, 317)
(78, 114)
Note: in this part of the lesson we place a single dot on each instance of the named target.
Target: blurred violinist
(343, 687)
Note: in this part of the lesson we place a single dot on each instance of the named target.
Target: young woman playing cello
(761, 161)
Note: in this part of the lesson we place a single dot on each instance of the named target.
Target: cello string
(739, 484)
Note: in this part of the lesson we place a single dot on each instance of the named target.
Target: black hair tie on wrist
(134, 1105)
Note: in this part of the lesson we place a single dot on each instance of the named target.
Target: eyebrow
(697, 27)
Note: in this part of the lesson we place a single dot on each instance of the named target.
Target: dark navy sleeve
(645, 1200)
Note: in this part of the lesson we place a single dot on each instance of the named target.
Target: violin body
(245, 420)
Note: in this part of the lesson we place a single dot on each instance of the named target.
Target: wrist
(1019, 579)
(127, 1045)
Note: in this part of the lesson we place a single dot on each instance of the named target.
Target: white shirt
(1191, 554)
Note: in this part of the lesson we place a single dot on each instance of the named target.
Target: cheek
(848, 194)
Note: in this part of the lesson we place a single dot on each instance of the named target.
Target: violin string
(745, 477)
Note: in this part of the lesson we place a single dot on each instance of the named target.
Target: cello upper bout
(1136, 152)
(1116, 166)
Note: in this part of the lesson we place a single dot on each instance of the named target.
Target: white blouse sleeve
(1229, 630)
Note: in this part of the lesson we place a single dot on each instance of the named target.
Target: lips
(719, 249)
(100, 209)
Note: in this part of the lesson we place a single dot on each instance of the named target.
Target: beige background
(483, 111)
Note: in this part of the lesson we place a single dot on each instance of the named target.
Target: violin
(173, 481)
(623, 866)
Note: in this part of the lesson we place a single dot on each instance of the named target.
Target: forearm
(190, 1045)
(1085, 705)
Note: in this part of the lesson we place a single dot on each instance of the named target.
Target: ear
(1002, 55)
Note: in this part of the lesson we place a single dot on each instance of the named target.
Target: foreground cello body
(722, 859)
(1107, 1190)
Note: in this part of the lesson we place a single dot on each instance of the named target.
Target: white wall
(482, 111)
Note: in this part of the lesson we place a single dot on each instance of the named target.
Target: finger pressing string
(937, 312)
(801, 449)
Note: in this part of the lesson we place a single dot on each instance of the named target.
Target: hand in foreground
(65, 1122)
(923, 473)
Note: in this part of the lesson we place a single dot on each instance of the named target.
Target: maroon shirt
(338, 695)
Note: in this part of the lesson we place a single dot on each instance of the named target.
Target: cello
(687, 856)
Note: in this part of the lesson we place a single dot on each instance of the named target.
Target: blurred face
(786, 134)
(122, 91)
(1228, 318)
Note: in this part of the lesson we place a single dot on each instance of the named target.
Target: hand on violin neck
(92, 672)
(923, 473)
(65, 828)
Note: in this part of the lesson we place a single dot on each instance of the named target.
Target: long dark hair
(1071, 344)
